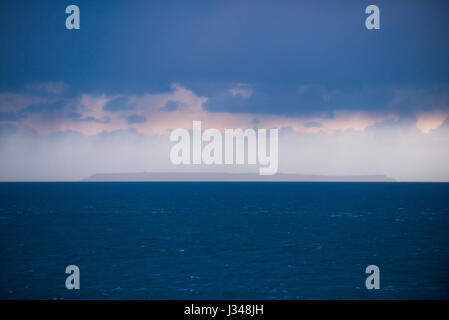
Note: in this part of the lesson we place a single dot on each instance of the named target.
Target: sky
(104, 98)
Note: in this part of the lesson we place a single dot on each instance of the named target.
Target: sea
(224, 240)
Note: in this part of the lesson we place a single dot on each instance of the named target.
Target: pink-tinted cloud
(159, 113)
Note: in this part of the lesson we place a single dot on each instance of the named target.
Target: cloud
(313, 100)
(119, 104)
(11, 116)
(77, 117)
(427, 121)
(243, 90)
(313, 124)
(53, 88)
(44, 106)
(301, 101)
(15, 102)
(172, 105)
(158, 113)
(135, 118)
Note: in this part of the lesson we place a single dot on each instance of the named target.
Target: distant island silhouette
(219, 176)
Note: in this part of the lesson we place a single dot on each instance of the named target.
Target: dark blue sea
(224, 240)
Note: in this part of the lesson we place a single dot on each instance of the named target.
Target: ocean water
(224, 240)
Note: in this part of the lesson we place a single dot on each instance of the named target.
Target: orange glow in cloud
(430, 120)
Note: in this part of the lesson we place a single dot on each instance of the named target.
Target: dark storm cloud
(303, 100)
(277, 43)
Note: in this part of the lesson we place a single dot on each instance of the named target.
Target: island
(228, 177)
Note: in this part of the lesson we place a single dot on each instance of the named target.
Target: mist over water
(393, 149)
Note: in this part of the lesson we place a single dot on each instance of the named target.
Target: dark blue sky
(132, 47)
